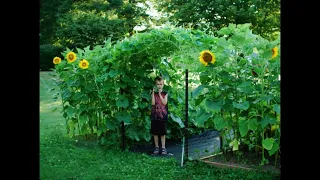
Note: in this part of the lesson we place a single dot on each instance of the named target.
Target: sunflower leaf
(199, 100)
(276, 108)
(274, 148)
(110, 125)
(224, 31)
(214, 105)
(197, 91)
(79, 51)
(243, 106)
(219, 122)
(222, 43)
(122, 101)
(113, 73)
(176, 119)
(166, 75)
(201, 118)
(268, 120)
(243, 127)
(253, 124)
(123, 116)
(268, 143)
(83, 118)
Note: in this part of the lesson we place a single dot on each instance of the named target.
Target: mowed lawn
(62, 157)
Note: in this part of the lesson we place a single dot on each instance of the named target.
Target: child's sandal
(156, 150)
(163, 151)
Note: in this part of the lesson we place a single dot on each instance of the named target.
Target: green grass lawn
(62, 157)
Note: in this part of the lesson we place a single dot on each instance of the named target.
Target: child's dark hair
(158, 78)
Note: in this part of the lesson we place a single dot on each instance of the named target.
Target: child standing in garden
(159, 115)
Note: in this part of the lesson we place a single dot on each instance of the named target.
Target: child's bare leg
(156, 140)
(163, 141)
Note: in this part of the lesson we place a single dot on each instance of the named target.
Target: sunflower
(274, 52)
(56, 60)
(71, 56)
(207, 57)
(84, 64)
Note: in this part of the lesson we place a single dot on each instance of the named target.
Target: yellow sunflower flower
(274, 52)
(56, 60)
(84, 64)
(207, 57)
(71, 57)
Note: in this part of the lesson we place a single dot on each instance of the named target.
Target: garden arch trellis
(115, 87)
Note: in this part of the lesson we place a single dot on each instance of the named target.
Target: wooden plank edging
(226, 165)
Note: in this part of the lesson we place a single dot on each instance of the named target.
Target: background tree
(82, 23)
(92, 22)
(78, 23)
(49, 13)
(212, 15)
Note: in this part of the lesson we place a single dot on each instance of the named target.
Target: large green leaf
(247, 90)
(202, 118)
(247, 49)
(253, 124)
(165, 75)
(243, 127)
(243, 106)
(268, 120)
(126, 78)
(66, 94)
(70, 111)
(112, 73)
(267, 97)
(238, 39)
(225, 75)
(179, 99)
(122, 101)
(111, 125)
(267, 54)
(197, 91)
(146, 94)
(232, 27)
(78, 96)
(123, 116)
(83, 118)
(199, 100)
(228, 105)
(224, 31)
(249, 40)
(214, 105)
(244, 27)
(268, 143)
(245, 84)
(176, 119)
(274, 148)
(143, 104)
(135, 113)
(276, 108)
(219, 122)
(204, 77)
(245, 87)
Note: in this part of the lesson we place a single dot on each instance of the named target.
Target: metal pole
(186, 121)
(122, 125)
